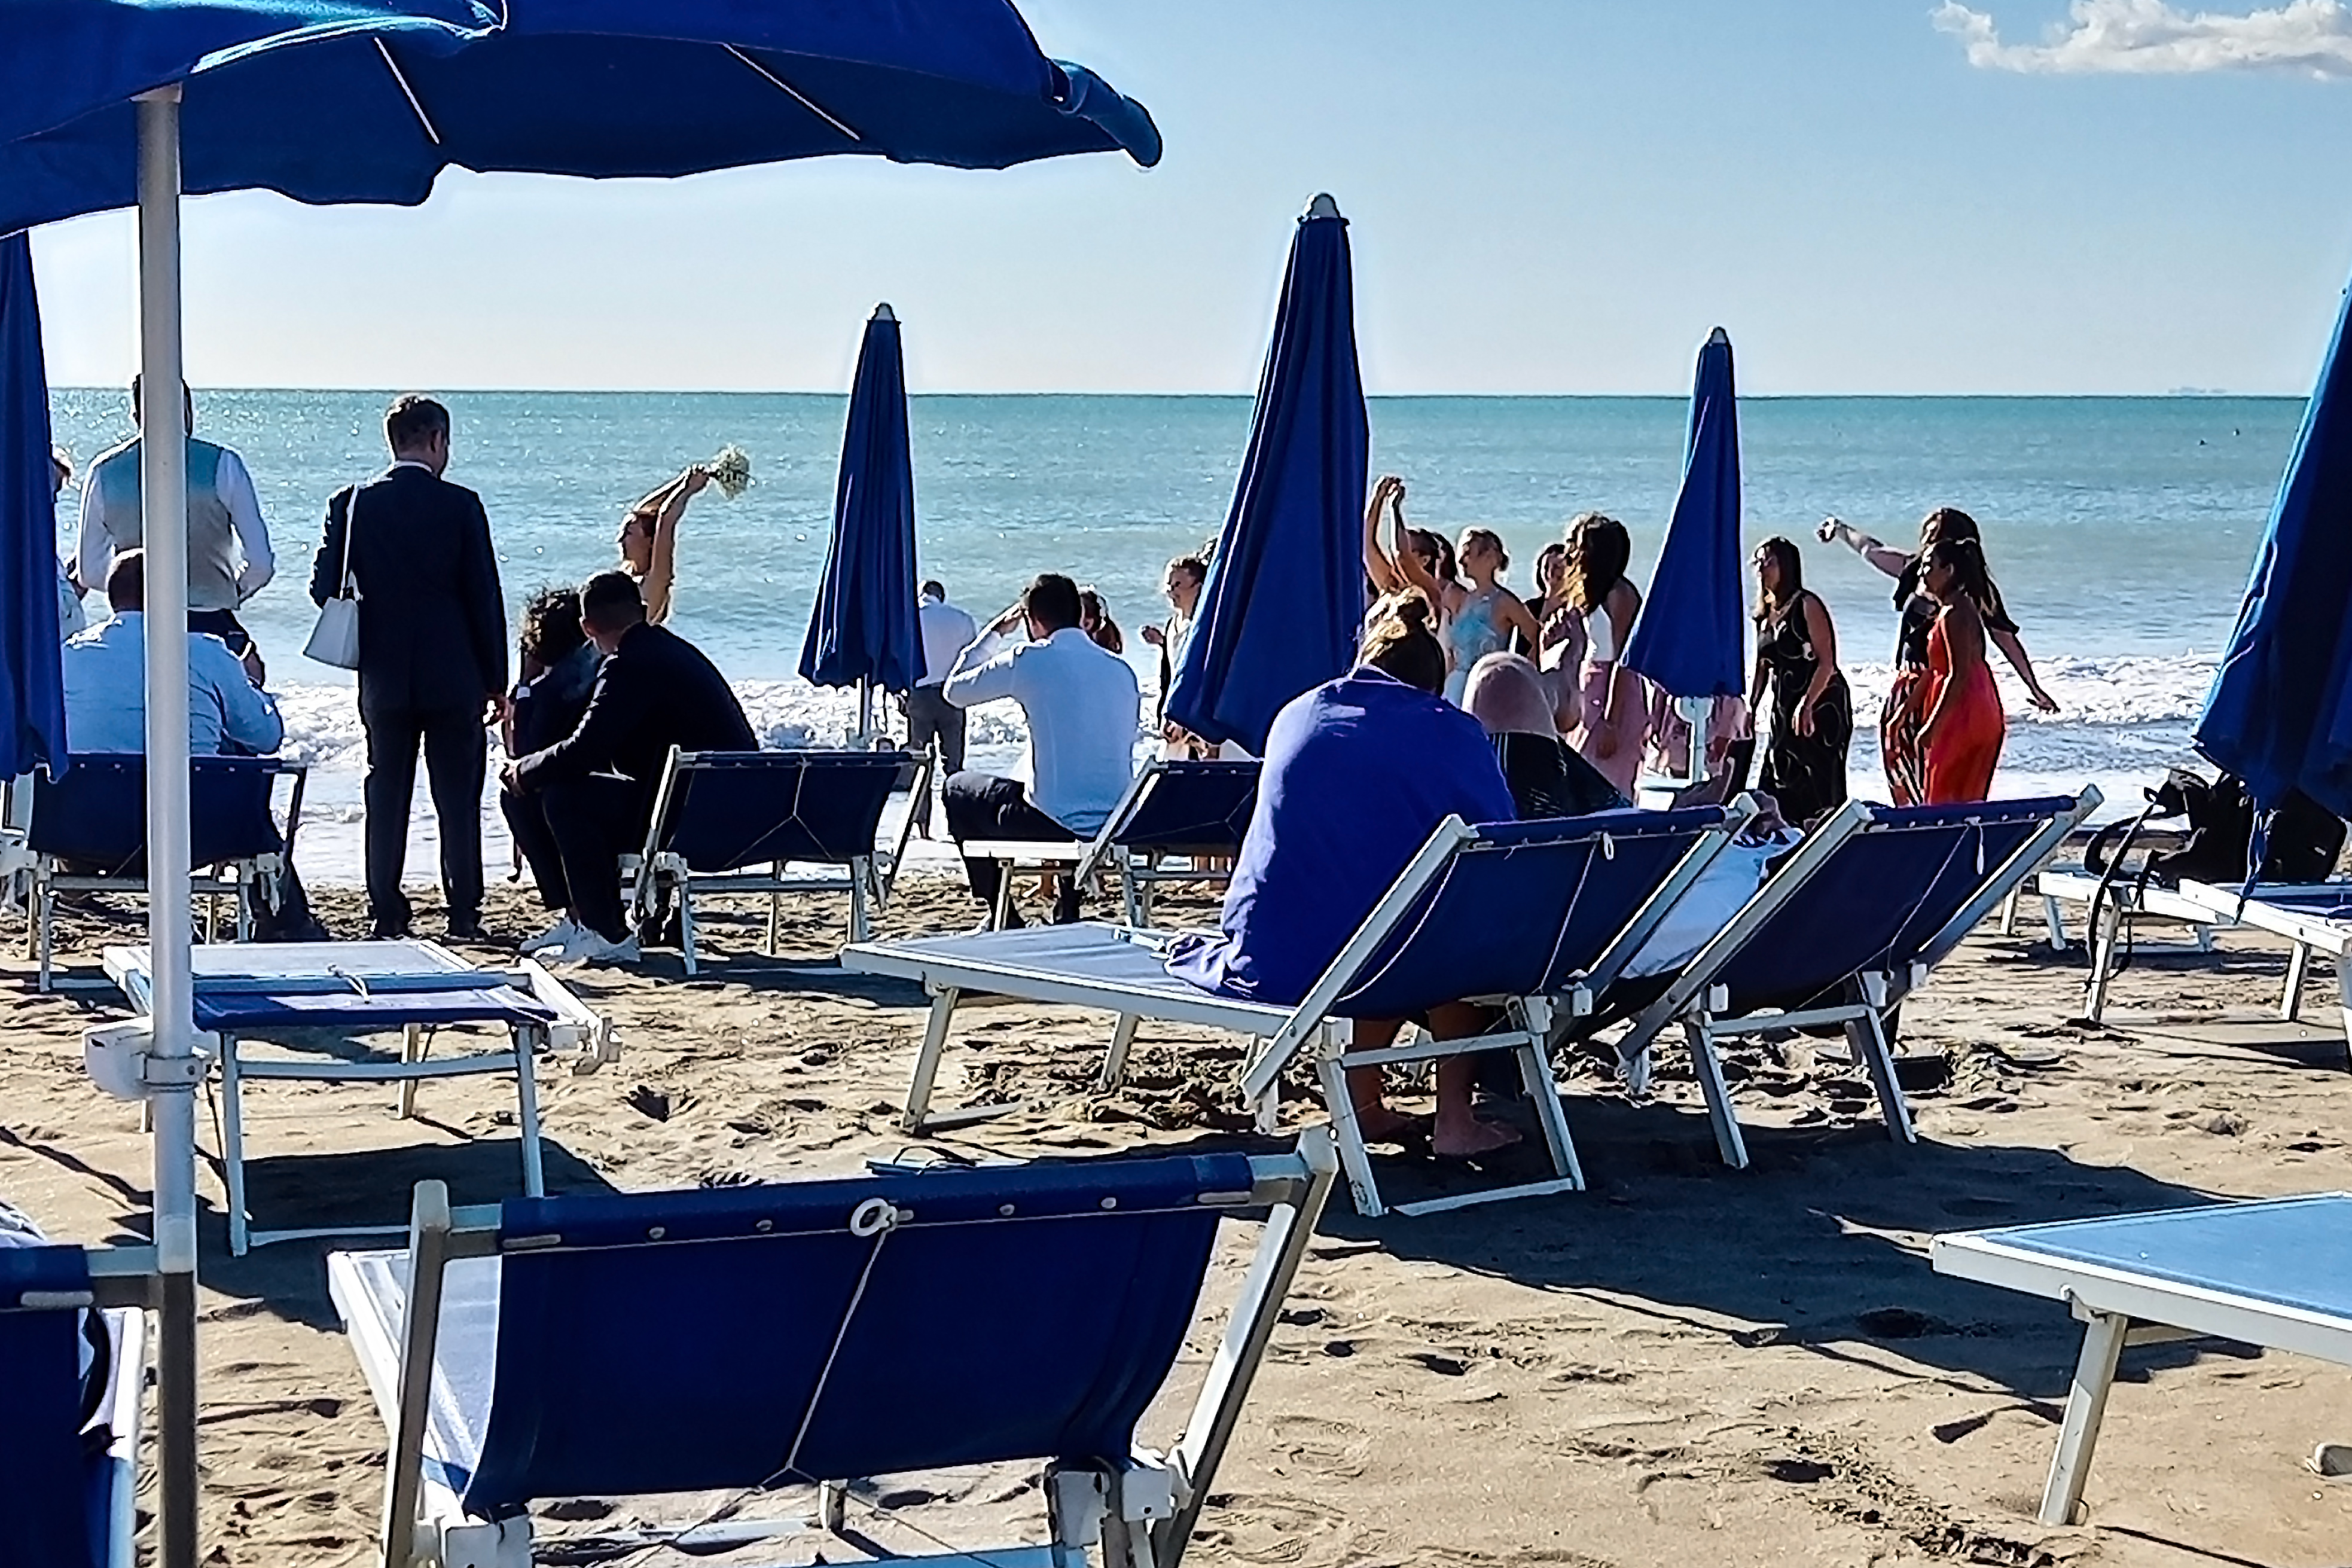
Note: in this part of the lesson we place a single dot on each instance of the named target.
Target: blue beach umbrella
(1690, 638)
(1284, 603)
(32, 686)
(2280, 712)
(367, 101)
(862, 632)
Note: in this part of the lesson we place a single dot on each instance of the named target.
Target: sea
(2121, 530)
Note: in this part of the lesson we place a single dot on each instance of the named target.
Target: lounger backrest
(683, 1342)
(52, 1491)
(1192, 808)
(728, 810)
(1883, 895)
(97, 812)
(1525, 909)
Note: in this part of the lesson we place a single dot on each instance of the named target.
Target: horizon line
(2183, 395)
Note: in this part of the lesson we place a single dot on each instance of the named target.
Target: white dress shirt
(106, 694)
(947, 632)
(1083, 705)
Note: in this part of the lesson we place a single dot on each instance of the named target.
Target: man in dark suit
(433, 656)
(654, 691)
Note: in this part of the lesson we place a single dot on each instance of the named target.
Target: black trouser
(593, 822)
(526, 817)
(931, 716)
(223, 624)
(456, 752)
(983, 805)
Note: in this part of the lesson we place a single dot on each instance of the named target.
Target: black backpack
(2303, 845)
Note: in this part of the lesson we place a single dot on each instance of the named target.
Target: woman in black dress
(1813, 712)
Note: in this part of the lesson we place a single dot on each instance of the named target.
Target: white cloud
(2155, 37)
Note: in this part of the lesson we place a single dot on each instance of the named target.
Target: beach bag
(2301, 842)
(335, 639)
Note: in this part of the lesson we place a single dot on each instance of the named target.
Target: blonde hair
(1402, 641)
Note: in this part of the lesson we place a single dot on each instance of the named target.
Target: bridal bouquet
(731, 470)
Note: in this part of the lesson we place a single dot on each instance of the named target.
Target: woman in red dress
(1963, 727)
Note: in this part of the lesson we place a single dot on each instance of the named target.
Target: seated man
(654, 691)
(106, 682)
(1082, 703)
(558, 669)
(1358, 773)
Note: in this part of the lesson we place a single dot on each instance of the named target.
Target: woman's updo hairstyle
(1404, 643)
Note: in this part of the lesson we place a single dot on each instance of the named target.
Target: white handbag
(336, 638)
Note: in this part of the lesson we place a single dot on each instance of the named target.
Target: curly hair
(550, 625)
(1599, 551)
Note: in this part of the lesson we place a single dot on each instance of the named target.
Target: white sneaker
(590, 949)
(563, 933)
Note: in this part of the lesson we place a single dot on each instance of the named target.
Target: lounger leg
(428, 1242)
(1709, 1073)
(534, 1172)
(1331, 1071)
(926, 1062)
(2298, 969)
(832, 1506)
(2103, 956)
(412, 1049)
(2009, 910)
(2087, 1405)
(860, 920)
(233, 1146)
(2344, 999)
(1122, 1040)
(776, 910)
(2056, 921)
(685, 924)
(45, 899)
(1866, 1038)
(1000, 916)
(1534, 1072)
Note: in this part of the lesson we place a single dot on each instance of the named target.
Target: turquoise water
(2121, 529)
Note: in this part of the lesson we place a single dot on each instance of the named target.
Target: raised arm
(1887, 559)
(1409, 564)
(661, 572)
(1376, 565)
(1512, 615)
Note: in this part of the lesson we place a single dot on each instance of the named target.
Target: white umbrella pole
(865, 712)
(164, 490)
(1696, 711)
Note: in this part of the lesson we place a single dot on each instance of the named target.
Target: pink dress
(1630, 726)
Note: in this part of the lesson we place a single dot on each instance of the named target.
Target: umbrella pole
(865, 712)
(163, 485)
(1696, 711)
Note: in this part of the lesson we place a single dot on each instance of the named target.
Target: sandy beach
(1686, 1364)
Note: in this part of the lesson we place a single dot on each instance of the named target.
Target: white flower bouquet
(731, 470)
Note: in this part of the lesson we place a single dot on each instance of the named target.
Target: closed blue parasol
(2280, 712)
(1284, 600)
(862, 632)
(32, 688)
(367, 101)
(1690, 638)
(360, 101)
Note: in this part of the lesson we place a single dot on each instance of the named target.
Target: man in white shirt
(106, 682)
(931, 719)
(229, 556)
(1081, 703)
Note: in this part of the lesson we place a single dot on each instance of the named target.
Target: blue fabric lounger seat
(248, 995)
(68, 1473)
(815, 1334)
(2314, 918)
(2276, 1273)
(1852, 920)
(88, 833)
(1536, 918)
(1173, 811)
(738, 822)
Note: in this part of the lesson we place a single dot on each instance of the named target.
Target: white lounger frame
(125, 1286)
(1140, 1513)
(868, 879)
(576, 1031)
(1087, 859)
(2305, 935)
(1531, 1026)
(2118, 1310)
(2125, 907)
(1697, 1002)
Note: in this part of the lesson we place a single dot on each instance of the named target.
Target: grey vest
(212, 538)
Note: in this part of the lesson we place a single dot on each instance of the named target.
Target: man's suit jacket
(655, 691)
(433, 622)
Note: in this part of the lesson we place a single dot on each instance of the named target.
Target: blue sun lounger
(245, 995)
(1174, 811)
(1537, 918)
(1852, 923)
(819, 1335)
(772, 823)
(2276, 1273)
(68, 1475)
(2314, 918)
(88, 834)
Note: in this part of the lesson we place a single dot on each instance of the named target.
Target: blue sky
(1546, 195)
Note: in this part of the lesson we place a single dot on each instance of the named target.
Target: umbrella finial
(1716, 336)
(1323, 207)
(882, 312)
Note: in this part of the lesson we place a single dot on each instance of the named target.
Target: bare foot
(1379, 1124)
(1470, 1138)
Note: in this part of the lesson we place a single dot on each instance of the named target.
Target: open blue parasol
(32, 685)
(862, 632)
(2280, 712)
(1284, 603)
